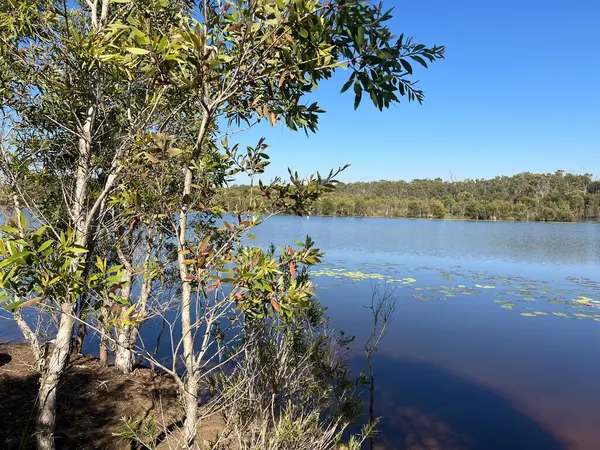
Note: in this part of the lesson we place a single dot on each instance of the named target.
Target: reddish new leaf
(275, 305)
(215, 284)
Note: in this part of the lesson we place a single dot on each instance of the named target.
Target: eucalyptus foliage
(115, 126)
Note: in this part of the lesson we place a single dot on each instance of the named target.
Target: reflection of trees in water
(426, 407)
(422, 431)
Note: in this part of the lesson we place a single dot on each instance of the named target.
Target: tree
(93, 90)
(438, 209)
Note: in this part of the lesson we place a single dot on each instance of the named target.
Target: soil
(92, 401)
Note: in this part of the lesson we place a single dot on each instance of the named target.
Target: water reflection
(540, 243)
(425, 407)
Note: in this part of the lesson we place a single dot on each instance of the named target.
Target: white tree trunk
(46, 416)
(81, 176)
(57, 360)
(127, 337)
(190, 394)
(124, 356)
(32, 338)
(190, 399)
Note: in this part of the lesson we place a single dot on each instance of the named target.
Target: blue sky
(519, 91)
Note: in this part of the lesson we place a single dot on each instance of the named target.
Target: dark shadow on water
(424, 407)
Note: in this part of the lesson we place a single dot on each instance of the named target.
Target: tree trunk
(32, 338)
(124, 356)
(123, 349)
(190, 399)
(190, 395)
(127, 337)
(46, 416)
(103, 352)
(81, 176)
(81, 333)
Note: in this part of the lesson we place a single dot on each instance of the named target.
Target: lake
(495, 343)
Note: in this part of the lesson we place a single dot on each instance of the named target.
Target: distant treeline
(524, 197)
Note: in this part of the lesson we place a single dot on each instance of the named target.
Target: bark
(81, 177)
(103, 355)
(190, 394)
(33, 340)
(50, 378)
(59, 354)
(124, 356)
(127, 336)
(190, 399)
(123, 350)
(81, 333)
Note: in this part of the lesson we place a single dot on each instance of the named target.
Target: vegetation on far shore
(561, 197)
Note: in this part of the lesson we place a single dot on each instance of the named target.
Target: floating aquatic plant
(580, 294)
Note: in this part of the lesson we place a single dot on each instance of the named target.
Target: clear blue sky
(519, 90)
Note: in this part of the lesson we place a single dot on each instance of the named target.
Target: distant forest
(559, 196)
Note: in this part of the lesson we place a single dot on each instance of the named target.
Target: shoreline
(449, 219)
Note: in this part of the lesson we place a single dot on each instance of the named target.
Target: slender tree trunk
(124, 356)
(190, 398)
(81, 312)
(33, 340)
(190, 394)
(127, 336)
(59, 354)
(103, 354)
(81, 333)
(46, 416)
(81, 174)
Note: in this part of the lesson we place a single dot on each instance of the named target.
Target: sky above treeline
(519, 91)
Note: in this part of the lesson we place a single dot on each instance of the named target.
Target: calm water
(461, 367)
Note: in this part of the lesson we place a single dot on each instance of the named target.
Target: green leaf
(76, 250)
(419, 60)
(406, 66)
(360, 37)
(8, 229)
(13, 306)
(174, 151)
(45, 245)
(137, 51)
(162, 44)
(357, 95)
(347, 84)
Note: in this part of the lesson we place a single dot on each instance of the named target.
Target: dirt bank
(92, 400)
